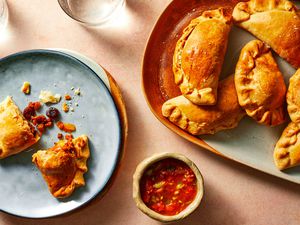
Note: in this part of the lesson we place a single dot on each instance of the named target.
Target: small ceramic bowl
(142, 167)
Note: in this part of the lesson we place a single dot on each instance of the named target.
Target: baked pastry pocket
(16, 133)
(293, 97)
(198, 120)
(275, 22)
(63, 165)
(199, 56)
(287, 149)
(260, 85)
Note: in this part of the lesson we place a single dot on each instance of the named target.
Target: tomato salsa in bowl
(167, 187)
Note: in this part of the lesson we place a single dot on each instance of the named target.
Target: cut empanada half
(293, 97)
(275, 22)
(16, 133)
(260, 85)
(198, 120)
(63, 165)
(199, 56)
(287, 149)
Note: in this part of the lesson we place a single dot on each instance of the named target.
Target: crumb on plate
(49, 97)
(26, 88)
(68, 97)
(77, 91)
(65, 107)
(67, 127)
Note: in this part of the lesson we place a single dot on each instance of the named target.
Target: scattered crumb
(71, 109)
(82, 116)
(77, 91)
(67, 127)
(49, 97)
(72, 88)
(76, 104)
(26, 88)
(65, 107)
(60, 136)
(68, 97)
(69, 137)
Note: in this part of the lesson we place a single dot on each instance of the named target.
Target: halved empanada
(63, 165)
(276, 22)
(293, 97)
(260, 85)
(199, 55)
(206, 119)
(287, 149)
(16, 134)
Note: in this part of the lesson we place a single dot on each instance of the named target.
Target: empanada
(199, 55)
(260, 85)
(206, 119)
(275, 22)
(287, 149)
(293, 97)
(63, 165)
(16, 134)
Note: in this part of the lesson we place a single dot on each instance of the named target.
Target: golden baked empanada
(293, 97)
(16, 134)
(287, 149)
(63, 165)
(276, 22)
(260, 85)
(199, 55)
(206, 119)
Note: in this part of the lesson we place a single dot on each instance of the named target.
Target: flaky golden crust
(276, 22)
(63, 165)
(293, 97)
(287, 149)
(199, 120)
(16, 134)
(199, 56)
(260, 85)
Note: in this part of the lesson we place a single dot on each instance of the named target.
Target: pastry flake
(287, 150)
(49, 97)
(63, 165)
(199, 56)
(275, 22)
(199, 120)
(260, 85)
(293, 97)
(16, 134)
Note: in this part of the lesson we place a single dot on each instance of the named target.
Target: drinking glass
(3, 14)
(91, 12)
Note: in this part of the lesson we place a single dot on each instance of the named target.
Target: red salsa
(168, 186)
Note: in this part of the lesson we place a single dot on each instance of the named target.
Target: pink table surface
(234, 194)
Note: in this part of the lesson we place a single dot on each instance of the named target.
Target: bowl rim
(140, 169)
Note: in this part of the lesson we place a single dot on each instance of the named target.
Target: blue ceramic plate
(23, 190)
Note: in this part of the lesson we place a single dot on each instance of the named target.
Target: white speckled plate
(23, 190)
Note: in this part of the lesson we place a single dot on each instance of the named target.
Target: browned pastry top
(260, 85)
(63, 165)
(206, 119)
(287, 149)
(16, 134)
(199, 55)
(275, 22)
(293, 97)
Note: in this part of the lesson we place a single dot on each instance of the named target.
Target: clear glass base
(92, 12)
